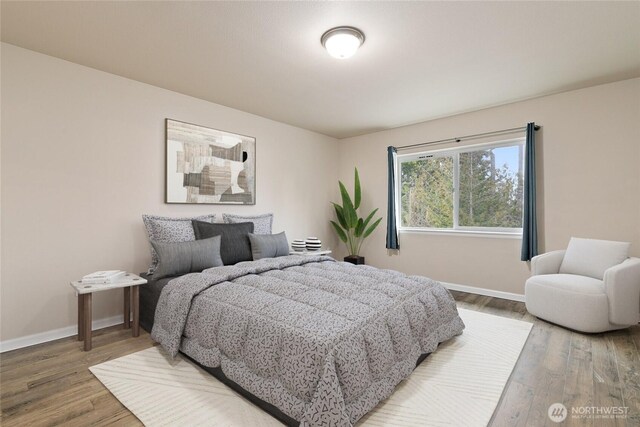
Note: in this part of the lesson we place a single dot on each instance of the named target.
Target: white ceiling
(421, 60)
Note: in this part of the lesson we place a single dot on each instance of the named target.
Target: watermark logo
(557, 412)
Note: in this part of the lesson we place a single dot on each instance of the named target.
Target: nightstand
(130, 283)
(311, 253)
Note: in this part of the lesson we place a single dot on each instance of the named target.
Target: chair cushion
(576, 302)
(589, 257)
(570, 283)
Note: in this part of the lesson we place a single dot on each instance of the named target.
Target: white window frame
(455, 153)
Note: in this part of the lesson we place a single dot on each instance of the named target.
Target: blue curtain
(392, 232)
(529, 225)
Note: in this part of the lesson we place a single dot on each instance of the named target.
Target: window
(475, 188)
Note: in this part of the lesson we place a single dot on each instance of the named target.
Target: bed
(311, 340)
(149, 296)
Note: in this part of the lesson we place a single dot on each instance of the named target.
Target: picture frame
(209, 166)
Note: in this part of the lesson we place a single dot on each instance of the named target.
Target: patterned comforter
(323, 341)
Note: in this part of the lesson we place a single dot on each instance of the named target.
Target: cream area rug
(460, 384)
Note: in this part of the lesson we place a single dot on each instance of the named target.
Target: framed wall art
(209, 166)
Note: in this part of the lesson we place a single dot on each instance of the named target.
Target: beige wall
(83, 159)
(589, 183)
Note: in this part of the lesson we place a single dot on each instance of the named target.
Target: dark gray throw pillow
(234, 243)
(180, 258)
(268, 245)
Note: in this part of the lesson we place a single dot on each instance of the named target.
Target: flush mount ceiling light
(342, 42)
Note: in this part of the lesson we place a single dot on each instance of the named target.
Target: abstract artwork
(209, 166)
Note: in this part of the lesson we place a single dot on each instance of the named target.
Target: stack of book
(103, 277)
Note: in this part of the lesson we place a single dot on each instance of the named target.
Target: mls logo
(557, 412)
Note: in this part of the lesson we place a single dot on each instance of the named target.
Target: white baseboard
(16, 343)
(483, 291)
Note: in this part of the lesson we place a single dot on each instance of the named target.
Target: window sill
(467, 233)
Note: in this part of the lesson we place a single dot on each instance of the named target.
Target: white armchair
(591, 287)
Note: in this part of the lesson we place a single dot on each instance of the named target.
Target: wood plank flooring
(50, 384)
(562, 366)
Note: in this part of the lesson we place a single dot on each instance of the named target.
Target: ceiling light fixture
(342, 42)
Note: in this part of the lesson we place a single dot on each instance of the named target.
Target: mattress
(321, 341)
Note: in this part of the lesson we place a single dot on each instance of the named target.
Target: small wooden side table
(130, 283)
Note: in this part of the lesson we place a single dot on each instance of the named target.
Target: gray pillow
(268, 245)
(261, 223)
(234, 243)
(180, 258)
(170, 230)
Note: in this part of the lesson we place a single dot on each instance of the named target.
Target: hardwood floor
(562, 366)
(50, 384)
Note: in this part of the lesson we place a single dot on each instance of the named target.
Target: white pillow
(590, 257)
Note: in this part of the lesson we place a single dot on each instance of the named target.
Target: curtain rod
(467, 137)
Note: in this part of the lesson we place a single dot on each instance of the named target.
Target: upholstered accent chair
(592, 286)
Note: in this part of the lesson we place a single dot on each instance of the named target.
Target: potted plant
(351, 228)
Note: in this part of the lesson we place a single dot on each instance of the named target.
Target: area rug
(460, 384)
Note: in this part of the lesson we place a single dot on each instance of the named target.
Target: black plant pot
(354, 259)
